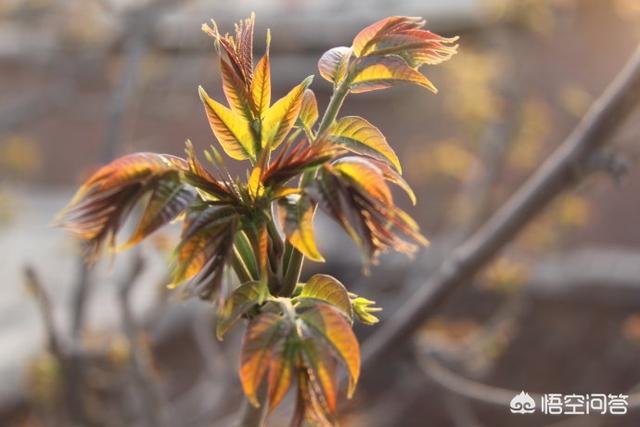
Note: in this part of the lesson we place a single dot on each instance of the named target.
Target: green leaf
(327, 323)
(244, 249)
(363, 309)
(295, 214)
(239, 303)
(360, 136)
(381, 72)
(322, 287)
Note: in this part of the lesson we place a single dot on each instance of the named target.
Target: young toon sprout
(297, 333)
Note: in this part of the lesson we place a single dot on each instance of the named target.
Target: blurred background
(84, 81)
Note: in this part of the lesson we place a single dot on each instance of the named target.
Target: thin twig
(560, 171)
(479, 392)
(151, 407)
(35, 287)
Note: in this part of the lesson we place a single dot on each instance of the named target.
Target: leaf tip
(307, 82)
(202, 93)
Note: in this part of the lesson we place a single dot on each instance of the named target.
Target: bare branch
(149, 397)
(35, 287)
(566, 166)
(479, 392)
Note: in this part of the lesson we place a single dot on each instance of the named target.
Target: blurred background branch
(84, 81)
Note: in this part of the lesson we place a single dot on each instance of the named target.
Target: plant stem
(240, 268)
(293, 267)
(335, 103)
(252, 416)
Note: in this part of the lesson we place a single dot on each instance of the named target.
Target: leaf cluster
(255, 225)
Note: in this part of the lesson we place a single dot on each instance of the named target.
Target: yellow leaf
(358, 135)
(308, 111)
(281, 117)
(375, 73)
(232, 131)
(366, 175)
(325, 288)
(255, 187)
(296, 219)
(261, 84)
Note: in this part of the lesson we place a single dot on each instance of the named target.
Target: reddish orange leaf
(206, 243)
(169, 197)
(362, 207)
(262, 334)
(392, 176)
(404, 36)
(235, 90)
(281, 371)
(321, 370)
(327, 323)
(367, 36)
(239, 49)
(99, 208)
(295, 159)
